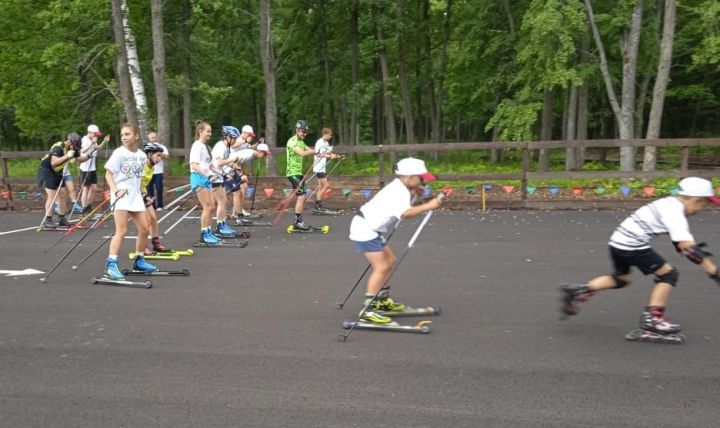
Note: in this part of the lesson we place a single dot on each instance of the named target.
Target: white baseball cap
(412, 166)
(94, 129)
(699, 188)
(248, 129)
(262, 147)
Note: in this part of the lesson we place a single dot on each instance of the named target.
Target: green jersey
(294, 160)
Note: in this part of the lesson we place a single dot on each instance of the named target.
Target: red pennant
(649, 190)
(6, 194)
(269, 192)
(447, 190)
(508, 189)
(577, 191)
(328, 192)
(106, 194)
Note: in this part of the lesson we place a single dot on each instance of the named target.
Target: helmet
(230, 131)
(151, 148)
(301, 124)
(75, 139)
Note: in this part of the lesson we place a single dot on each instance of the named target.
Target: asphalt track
(251, 337)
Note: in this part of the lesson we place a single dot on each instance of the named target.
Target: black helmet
(151, 148)
(75, 139)
(301, 124)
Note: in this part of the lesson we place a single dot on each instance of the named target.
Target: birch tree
(136, 79)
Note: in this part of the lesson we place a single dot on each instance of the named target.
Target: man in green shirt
(296, 151)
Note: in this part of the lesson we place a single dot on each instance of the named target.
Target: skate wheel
(347, 324)
(245, 235)
(290, 229)
(325, 229)
(425, 329)
(185, 272)
(190, 252)
(148, 284)
(175, 257)
(93, 280)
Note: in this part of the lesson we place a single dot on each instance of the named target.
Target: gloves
(71, 154)
(148, 200)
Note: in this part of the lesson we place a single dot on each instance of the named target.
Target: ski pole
(104, 241)
(72, 228)
(257, 175)
(367, 268)
(100, 220)
(302, 181)
(57, 192)
(179, 220)
(285, 203)
(328, 174)
(82, 185)
(387, 280)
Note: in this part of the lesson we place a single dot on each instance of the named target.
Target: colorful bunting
(673, 191)
(487, 186)
(287, 191)
(509, 188)
(577, 191)
(600, 190)
(625, 190)
(346, 192)
(530, 189)
(469, 189)
(106, 194)
(427, 192)
(38, 195)
(269, 192)
(178, 192)
(367, 193)
(6, 194)
(23, 195)
(553, 190)
(649, 190)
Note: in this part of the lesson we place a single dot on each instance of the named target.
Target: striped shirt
(664, 216)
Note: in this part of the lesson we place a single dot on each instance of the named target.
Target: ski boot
(319, 209)
(300, 224)
(141, 265)
(207, 237)
(56, 208)
(148, 251)
(572, 294)
(76, 208)
(159, 247)
(387, 304)
(48, 223)
(224, 229)
(112, 271)
(62, 221)
(652, 320)
(372, 315)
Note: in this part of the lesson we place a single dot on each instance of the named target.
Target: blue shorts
(198, 182)
(372, 246)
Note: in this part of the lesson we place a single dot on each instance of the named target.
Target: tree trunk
(158, 64)
(546, 128)
(325, 55)
(571, 152)
(135, 74)
(121, 64)
(429, 72)
(354, 71)
(582, 122)
(402, 77)
(186, 61)
(440, 77)
(391, 136)
(267, 56)
(661, 82)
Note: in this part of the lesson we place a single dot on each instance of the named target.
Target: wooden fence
(524, 175)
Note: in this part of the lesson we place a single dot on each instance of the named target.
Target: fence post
(6, 183)
(381, 166)
(525, 167)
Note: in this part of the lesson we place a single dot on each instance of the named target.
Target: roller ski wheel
(236, 244)
(413, 312)
(421, 327)
(102, 280)
(242, 235)
(158, 256)
(129, 272)
(639, 335)
(325, 229)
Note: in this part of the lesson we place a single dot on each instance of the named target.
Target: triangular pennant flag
(38, 195)
(577, 191)
(600, 190)
(469, 189)
(23, 195)
(508, 188)
(178, 192)
(287, 191)
(346, 192)
(328, 192)
(649, 190)
(6, 194)
(106, 194)
(367, 193)
(250, 192)
(448, 190)
(268, 192)
(625, 190)
(673, 190)
(530, 189)
(487, 186)
(553, 190)
(427, 192)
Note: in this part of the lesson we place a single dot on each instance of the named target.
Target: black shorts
(88, 177)
(233, 183)
(647, 260)
(321, 174)
(50, 179)
(295, 181)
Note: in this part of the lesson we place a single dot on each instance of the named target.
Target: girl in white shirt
(202, 176)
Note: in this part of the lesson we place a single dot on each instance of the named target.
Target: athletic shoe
(56, 208)
(148, 251)
(370, 315)
(62, 221)
(49, 223)
(77, 208)
(207, 237)
(87, 209)
(141, 265)
(239, 221)
(300, 225)
(657, 324)
(319, 209)
(112, 271)
(224, 229)
(245, 213)
(572, 294)
(159, 246)
(389, 305)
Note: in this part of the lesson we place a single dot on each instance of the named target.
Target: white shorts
(132, 201)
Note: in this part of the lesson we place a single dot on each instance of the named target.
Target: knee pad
(619, 282)
(668, 278)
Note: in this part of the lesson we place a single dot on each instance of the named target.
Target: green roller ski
(421, 327)
(413, 312)
(313, 229)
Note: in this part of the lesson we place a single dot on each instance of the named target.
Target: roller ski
(421, 327)
(655, 328)
(320, 210)
(246, 215)
(221, 244)
(413, 312)
(571, 296)
(247, 223)
(242, 235)
(132, 272)
(113, 276)
(301, 227)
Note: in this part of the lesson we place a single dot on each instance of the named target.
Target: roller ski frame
(639, 335)
(235, 244)
(413, 312)
(421, 327)
(313, 229)
(61, 228)
(243, 222)
(242, 235)
(172, 255)
(101, 280)
(182, 272)
(333, 213)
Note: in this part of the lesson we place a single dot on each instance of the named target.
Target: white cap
(262, 147)
(94, 129)
(697, 187)
(248, 129)
(412, 166)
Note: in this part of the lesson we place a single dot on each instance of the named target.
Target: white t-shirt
(379, 212)
(244, 156)
(221, 151)
(666, 215)
(321, 147)
(160, 166)
(87, 146)
(200, 155)
(127, 170)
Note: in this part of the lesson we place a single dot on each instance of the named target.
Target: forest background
(377, 71)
